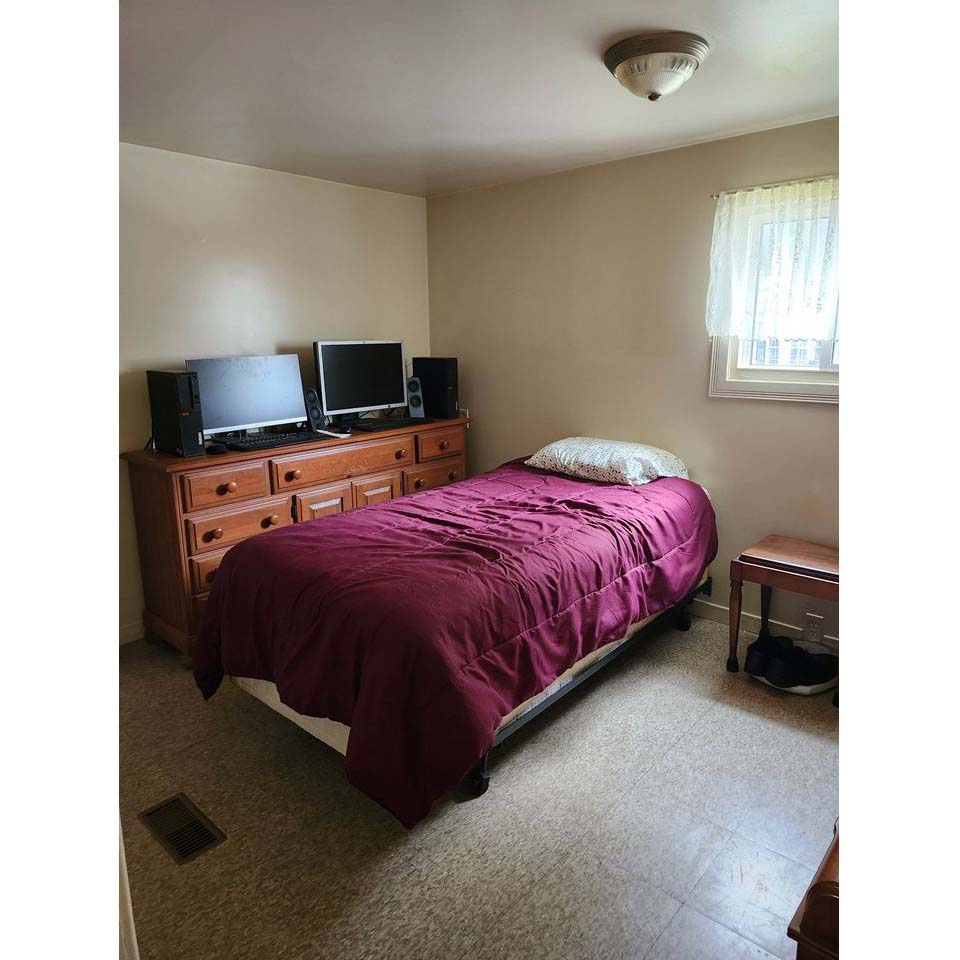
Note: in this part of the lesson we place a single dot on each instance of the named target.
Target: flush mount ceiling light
(653, 65)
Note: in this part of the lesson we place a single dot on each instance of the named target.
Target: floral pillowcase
(611, 461)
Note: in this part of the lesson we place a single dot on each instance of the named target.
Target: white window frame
(728, 379)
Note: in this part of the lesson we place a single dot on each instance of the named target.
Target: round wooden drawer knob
(217, 533)
(274, 520)
(444, 444)
(417, 484)
(400, 454)
(452, 475)
(294, 474)
(229, 487)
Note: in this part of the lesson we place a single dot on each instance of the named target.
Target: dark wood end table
(812, 569)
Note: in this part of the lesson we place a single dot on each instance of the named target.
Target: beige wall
(218, 258)
(575, 303)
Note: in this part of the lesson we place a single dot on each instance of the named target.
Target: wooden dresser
(191, 511)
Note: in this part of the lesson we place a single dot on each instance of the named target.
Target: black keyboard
(267, 440)
(388, 423)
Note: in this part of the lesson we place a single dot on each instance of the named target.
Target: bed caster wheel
(682, 621)
(732, 665)
(476, 783)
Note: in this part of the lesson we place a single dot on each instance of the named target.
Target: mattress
(336, 735)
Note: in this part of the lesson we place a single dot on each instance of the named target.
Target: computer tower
(439, 383)
(175, 412)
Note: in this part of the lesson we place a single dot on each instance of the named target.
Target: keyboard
(268, 440)
(388, 423)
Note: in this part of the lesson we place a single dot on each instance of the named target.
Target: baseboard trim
(750, 622)
(131, 631)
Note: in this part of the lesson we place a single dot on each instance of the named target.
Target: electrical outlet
(812, 627)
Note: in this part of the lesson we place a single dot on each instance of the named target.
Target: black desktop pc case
(175, 412)
(439, 382)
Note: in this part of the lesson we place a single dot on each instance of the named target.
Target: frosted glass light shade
(655, 65)
(656, 75)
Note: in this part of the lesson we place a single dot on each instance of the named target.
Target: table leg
(736, 587)
(765, 594)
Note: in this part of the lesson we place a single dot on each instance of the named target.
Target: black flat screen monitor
(360, 375)
(240, 393)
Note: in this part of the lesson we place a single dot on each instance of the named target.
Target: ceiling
(433, 96)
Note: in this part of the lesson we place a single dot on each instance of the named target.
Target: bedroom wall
(218, 258)
(575, 303)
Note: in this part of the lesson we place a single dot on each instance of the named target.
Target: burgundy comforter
(422, 622)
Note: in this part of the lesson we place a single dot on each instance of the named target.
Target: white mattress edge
(337, 735)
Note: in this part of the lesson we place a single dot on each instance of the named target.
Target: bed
(411, 635)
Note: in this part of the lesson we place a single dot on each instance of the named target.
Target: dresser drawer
(206, 488)
(331, 498)
(309, 469)
(436, 475)
(221, 528)
(371, 490)
(203, 569)
(440, 443)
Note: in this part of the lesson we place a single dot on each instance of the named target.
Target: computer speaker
(311, 400)
(415, 397)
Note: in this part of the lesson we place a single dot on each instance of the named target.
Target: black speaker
(175, 412)
(438, 380)
(415, 397)
(311, 400)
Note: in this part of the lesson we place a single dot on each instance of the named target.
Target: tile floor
(666, 809)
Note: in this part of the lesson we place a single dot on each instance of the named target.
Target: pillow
(612, 461)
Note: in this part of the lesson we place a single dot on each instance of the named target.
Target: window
(773, 303)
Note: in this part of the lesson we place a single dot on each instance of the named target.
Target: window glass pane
(774, 352)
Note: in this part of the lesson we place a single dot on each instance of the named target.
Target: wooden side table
(812, 569)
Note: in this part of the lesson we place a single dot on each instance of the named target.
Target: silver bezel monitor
(232, 400)
(323, 377)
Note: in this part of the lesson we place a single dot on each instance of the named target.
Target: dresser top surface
(153, 460)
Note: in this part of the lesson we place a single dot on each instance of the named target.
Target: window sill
(804, 386)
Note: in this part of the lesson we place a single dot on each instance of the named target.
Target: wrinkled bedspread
(422, 622)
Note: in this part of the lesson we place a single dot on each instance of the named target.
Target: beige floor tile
(585, 907)
(754, 892)
(657, 841)
(492, 830)
(770, 778)
(162, 712)
(256, 785)
(692, 936)
(432, 908)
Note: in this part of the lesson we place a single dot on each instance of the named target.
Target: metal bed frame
(477, 782)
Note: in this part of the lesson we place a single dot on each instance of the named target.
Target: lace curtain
(774, 262)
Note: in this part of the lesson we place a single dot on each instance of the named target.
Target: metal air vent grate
(183, 831)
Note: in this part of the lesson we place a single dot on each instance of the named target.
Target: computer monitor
(240, 393)
(360, 375)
